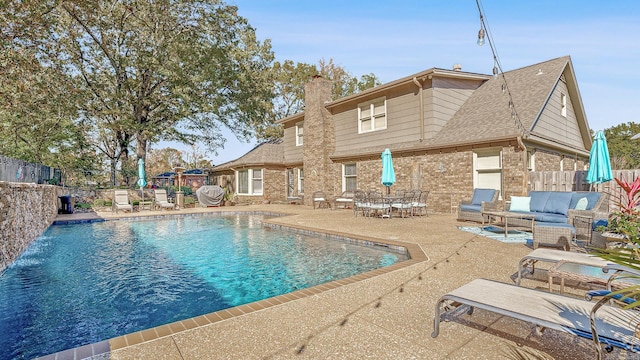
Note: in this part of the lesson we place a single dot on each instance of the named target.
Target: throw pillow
(520, 203)
(582, 204)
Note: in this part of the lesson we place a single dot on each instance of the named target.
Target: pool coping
(414, 252)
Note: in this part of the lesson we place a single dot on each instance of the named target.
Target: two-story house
(449, 131)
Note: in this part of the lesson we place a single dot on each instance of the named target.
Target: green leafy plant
(625, 221)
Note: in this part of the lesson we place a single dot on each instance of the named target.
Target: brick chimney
(319, 139)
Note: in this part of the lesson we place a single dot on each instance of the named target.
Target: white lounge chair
(121, 201)
(162, 201)
(613, 326)
(554, 256)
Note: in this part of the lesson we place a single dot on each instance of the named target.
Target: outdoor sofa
(559, 215)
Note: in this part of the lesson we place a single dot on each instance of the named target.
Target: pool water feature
(84, 283)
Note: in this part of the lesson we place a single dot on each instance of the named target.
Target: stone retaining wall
(26, 210)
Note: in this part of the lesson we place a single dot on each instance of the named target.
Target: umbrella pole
(388, 190)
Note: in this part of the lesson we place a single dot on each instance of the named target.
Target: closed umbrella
(142, 182)
(599, 162)
(388, 175)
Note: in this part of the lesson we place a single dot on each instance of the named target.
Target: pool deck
(384, 314)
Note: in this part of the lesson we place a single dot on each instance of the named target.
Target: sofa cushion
(581, 204)
(558, 202)
(552, 218)
(471, 207)
(538, 200)
(520, 203)
(592, 199)
(480, 195)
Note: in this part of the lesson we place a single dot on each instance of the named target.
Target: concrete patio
(386, 315)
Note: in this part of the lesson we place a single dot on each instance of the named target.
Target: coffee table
(506, 215)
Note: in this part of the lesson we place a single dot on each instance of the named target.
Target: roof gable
(487, 114)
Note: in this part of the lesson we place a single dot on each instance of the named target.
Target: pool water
(84, 283)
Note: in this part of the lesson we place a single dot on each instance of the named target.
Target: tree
(624, 152)
(37, 100)
(154, 70)
(289, 89)
(163, 160)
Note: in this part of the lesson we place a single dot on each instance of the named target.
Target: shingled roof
(486, 114)
(267, 153)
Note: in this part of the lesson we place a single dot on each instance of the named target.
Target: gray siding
(292, 153)
(447, 97)
(403, 122)
(553, 125)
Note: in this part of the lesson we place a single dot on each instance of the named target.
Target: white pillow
(520, 203)
(582, 204)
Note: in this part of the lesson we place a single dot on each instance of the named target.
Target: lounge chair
(613, 326)
(528, 262)
(482, 200)
(320, 199)
(121, 201)
(162, 201)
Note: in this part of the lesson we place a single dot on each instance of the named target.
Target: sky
(394, 39)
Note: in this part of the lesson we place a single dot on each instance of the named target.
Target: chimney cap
(457, 67)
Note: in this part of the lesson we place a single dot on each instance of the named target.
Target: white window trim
(373, 122)
(250, 179)
(344, 176)
(301, 181)
(299, 139)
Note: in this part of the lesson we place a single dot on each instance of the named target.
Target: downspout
(419, 85)
(526, 169)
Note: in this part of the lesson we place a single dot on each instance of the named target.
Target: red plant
(632, 195)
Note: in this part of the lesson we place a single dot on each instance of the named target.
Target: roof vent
(539, 72)
(457, 67)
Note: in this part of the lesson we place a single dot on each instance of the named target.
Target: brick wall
(26, 210)
(319, 139)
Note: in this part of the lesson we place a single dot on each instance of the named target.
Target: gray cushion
(538, 200)
(480, 195)
(552, 218)
(558, 202)
(472, 208)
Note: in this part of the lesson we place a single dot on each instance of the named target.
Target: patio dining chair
(404, 205)
(360, 203)
(320, 199)
(419, 202)
(378, 204)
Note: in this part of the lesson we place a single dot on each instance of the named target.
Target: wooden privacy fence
(12, 170)
(576, 181)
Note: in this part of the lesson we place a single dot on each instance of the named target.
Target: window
(299, 133)
(531, 160)
(372, 115)
(349, 177)
(300, 181)
(249, 181)
(488, 170)
(563, 105)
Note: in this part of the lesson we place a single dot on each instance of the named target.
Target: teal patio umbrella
(142, 181)
(388, 175)
(599, 162)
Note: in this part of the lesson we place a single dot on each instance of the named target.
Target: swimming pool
(80, 284)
